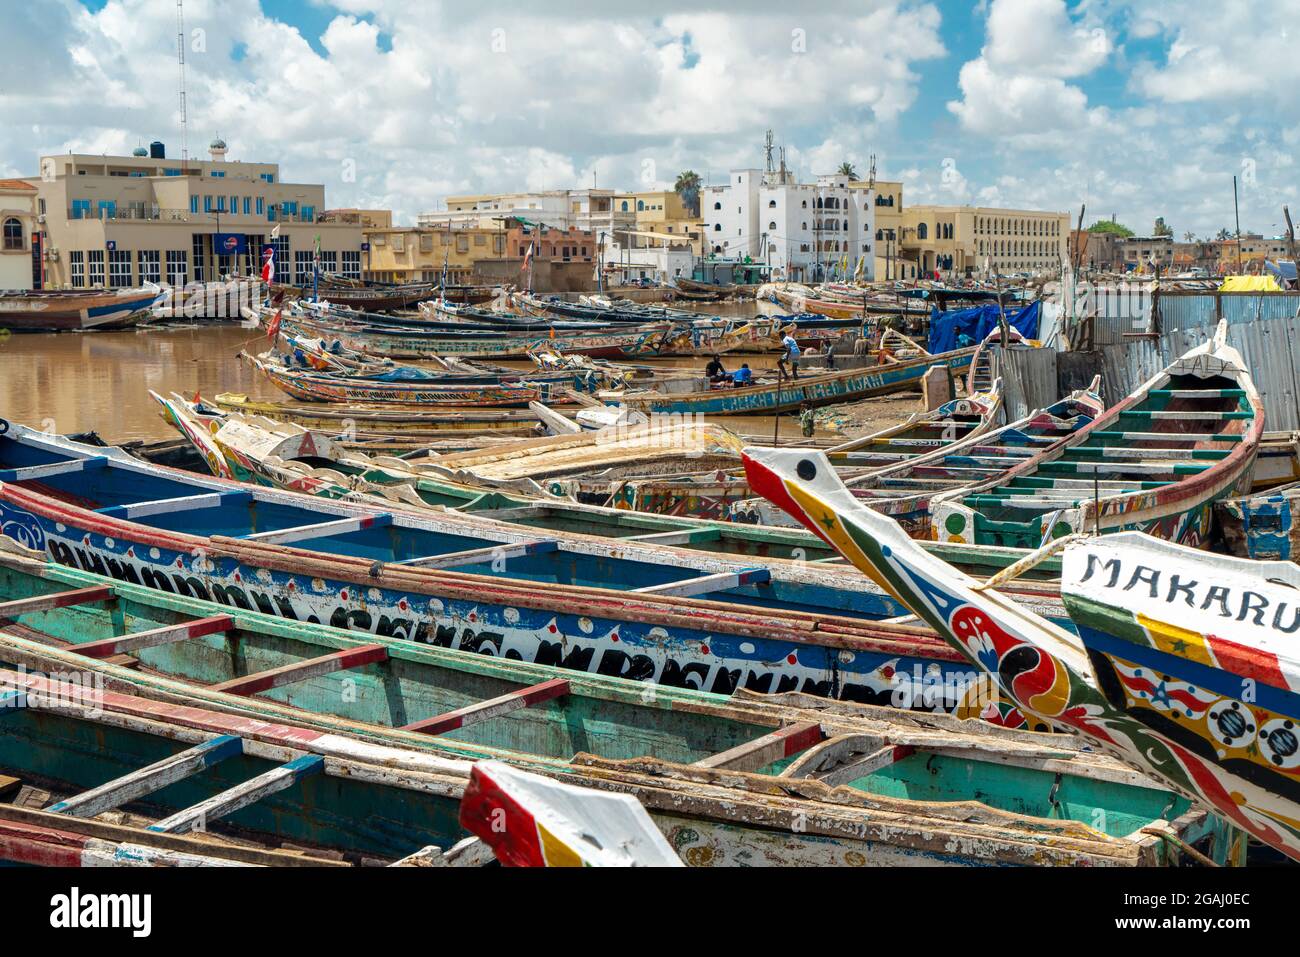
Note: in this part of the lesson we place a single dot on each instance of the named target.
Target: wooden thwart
(147, 780)
(60, 599)
(302, 670)
(300, 533)
(241, 795)
(156, 636)
(761, 752)
(33, 472)
(708, 583)
(492, 708)
(473, 556)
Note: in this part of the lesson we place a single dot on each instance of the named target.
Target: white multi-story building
(591, 209)
(805, 232)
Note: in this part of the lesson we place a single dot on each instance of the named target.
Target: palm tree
(688, 188)
(847, 169)
(1189, 237)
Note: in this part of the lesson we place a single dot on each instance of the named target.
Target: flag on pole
(273, 327)
(268, 265)
(275, 233)
(528, 258)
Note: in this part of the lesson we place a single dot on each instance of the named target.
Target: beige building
(20, 263)
(663, 214)
(1255, 250)
(417, 254)
(118, 221)
(365, 218)
(891, 261)
(585, 209)
(961, 241)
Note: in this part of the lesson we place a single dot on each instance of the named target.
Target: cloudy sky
(1140, 109)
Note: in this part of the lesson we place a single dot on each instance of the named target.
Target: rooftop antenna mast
(180, 63)
(871, 179)
(768, 142)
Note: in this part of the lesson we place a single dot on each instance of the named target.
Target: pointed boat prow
(1173, 700)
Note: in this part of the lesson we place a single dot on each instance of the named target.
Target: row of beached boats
(345, 648)
(223, 691)
(1161, 460)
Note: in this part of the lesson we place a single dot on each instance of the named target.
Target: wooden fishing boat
(789, 394)
(403, 343)
(370, 300)
(1157, 461)
(412, 394)
(718, 490)
(282, 455)
(1180, 666)
(549, 306)
(704, 291)
(532, 821)
(45, 310)
(288, 730)
(638, 609)
(953, 421)
(378, 421)
(1263, 525)
(986, 365)
(804, 300)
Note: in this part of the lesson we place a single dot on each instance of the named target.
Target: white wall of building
(805, 231)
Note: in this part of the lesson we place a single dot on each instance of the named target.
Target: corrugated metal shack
(1136, 334)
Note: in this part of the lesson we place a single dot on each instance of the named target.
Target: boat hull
(793, 393)
(66, 313)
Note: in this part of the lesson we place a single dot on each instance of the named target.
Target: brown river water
(100, 381)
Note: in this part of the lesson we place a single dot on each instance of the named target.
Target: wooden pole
(1290, 243)
(1236, 211)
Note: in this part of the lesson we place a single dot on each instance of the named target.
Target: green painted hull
(605, 732)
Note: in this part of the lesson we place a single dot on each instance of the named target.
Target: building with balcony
(805, 232)
(584, 209)
(118, 221)
(20, 248)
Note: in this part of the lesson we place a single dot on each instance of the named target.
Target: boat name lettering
(1173, 588)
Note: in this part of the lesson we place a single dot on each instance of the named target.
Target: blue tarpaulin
(966, 327)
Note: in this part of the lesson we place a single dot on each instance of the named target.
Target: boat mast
(180, 62)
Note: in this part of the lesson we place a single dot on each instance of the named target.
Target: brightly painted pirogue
(311, 386)
(66, 310)
(283, 455)
(381, 421)
(370, 741)
(406, 343)
(1177, 671)
(635, 609)
(905, 490)
(788, 394)
(1157, 461)
(1263, 525)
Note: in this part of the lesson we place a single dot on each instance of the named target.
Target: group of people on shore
(787, 365)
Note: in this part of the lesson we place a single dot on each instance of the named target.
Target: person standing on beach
(789, 354)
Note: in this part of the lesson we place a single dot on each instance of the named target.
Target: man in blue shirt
(791, 355)
(742, 376)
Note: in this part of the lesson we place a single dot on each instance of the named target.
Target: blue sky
(1139, 109)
